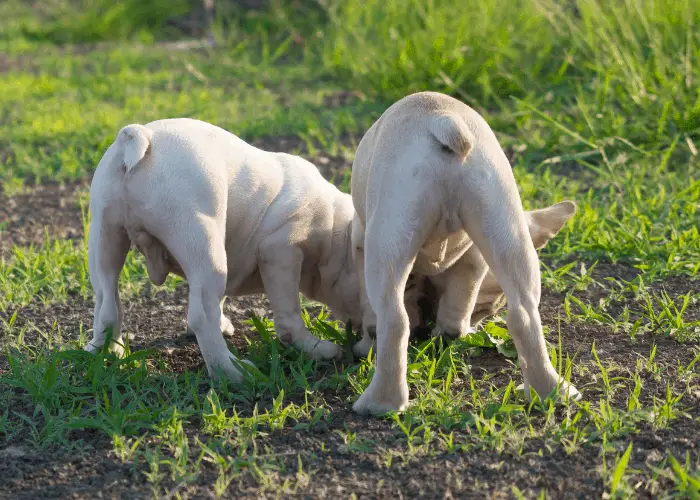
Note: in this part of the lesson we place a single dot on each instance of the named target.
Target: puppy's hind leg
(158, 266)
(390, 251)
(107, 248)
(500, 231)
(202, 256)
(227, 328)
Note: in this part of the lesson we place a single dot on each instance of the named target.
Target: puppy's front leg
(280, 269)
(462, 282)
(369, 319)
(413, 293)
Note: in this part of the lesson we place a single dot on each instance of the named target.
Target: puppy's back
(426, 133)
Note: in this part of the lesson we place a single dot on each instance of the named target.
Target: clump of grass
(578, 62)
(81, 21)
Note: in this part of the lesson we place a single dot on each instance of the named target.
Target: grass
(593, 102)
(151, 415)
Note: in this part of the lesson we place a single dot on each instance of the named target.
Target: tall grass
(600, 70)
(85, 21)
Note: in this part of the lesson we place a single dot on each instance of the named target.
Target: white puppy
(425, 297)
(230, 218)
(429, 181)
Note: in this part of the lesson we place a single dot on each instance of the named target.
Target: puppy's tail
(135, 140)
(451, 131)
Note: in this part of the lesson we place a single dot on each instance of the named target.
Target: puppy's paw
(566, 392)
(325, 350)
(226, 326)
(450, 334)
(227, 368)
(92, 348)
(572, 393)
(240, 362)
(115, 348)
(383, 400)
(362, 348)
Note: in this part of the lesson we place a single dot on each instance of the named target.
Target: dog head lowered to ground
(232, 220)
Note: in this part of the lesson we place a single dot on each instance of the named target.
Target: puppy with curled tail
(435, 195)
(232, 220)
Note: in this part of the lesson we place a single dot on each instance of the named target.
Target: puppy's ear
(545, 223)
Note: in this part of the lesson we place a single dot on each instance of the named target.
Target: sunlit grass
(595, 102)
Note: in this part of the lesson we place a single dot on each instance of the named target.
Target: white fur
(449, 214)
(450, 130)
(453, 322)
(230, 218)
(136, 140)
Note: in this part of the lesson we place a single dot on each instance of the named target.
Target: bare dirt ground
(52, 209)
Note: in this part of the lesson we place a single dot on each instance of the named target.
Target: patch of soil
(600, 290)
(153, 321)
(336, 471)
(52, 209)
(552, 303)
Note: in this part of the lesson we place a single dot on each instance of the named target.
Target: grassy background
(574, 93)
(595, 101)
